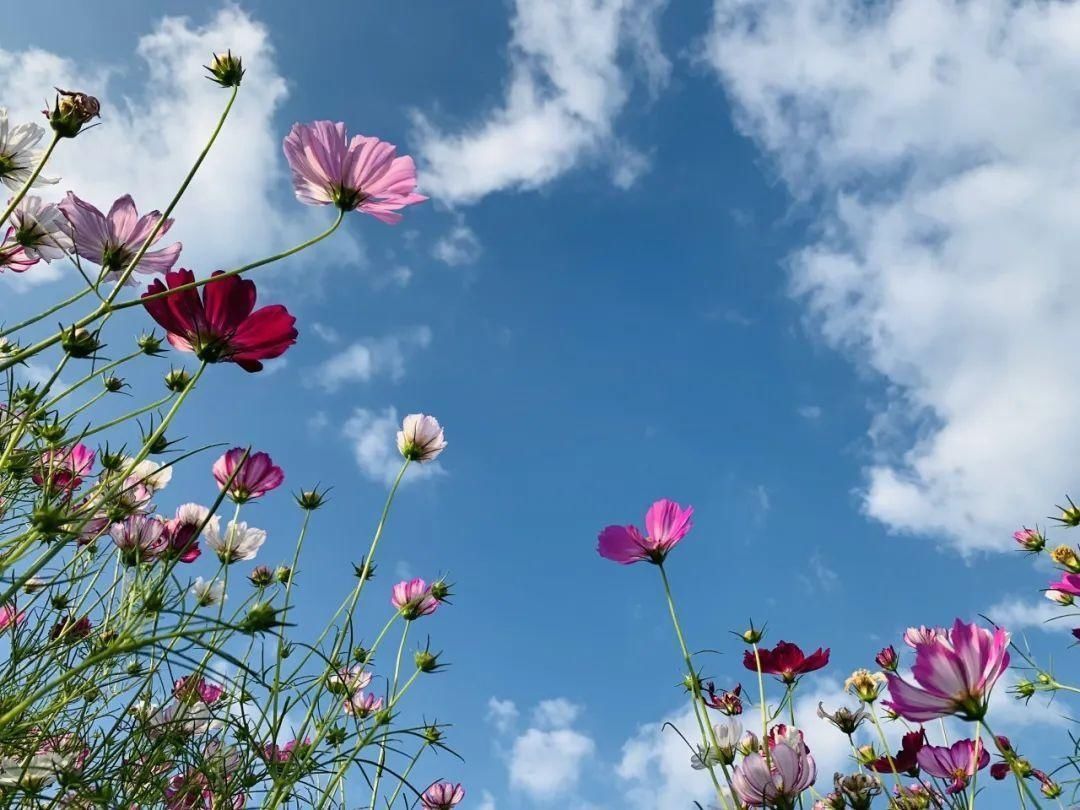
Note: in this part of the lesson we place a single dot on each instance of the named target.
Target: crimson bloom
(666, 523)
(957, 762)
(358, 173)
(955, 672)
(787, 661)
(223, 326)
(906, 759)
(257, 474)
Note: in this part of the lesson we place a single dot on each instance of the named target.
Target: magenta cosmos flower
(414, 599)
(957, 763)
(64, 468)
(13, 256)
(112, 241)
(666, 523)
(442, 796)
(360, 173)
(787, 661)
(776, 780)
(224, 326)
(257, 474)
(10, 616)
(954, 672)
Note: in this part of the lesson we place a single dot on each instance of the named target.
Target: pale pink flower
(954, 672)
(349, 680)
(914, 636)
(140, 538)
(192, 688)
(414, 599)
(957, 763)
(362, 704)
(776, 780)
(240, 541)
(361, 173)
(666, 523)
(64, 468)
(421, 438)
(258, 474)
(41, 229)
(442, 796)
(112, 241)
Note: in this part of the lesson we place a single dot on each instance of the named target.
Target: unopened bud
(226, 69)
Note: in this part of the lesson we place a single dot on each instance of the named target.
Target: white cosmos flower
(728, 731)
(18, 157)
(183, 718)
(153, 476)
(42, 229)
(33, 772)
(421, 437)
(240, 541)
(208, 592)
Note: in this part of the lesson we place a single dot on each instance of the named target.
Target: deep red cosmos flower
(906, 760)
(787, 661)
(224, 326)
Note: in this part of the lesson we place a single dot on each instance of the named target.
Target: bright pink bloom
(224, 326)
(193, 689)
(112, 241)
(666, 523)
(958, 762)
(954, 672)
(14, 256)
(778, 780)
(283, 753)
(787, 661)
(258, 474)
(140, 538)
(64, 468)
(414, 599)
(10, 616)
(442, 796)
(359, 173)
(1069, 583)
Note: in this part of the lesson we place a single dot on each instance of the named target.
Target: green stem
(41, 315)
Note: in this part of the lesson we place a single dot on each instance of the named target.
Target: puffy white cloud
(235, 210)
(655, 767)
(548, 764)
(939, 139)
(567, 86)
(1016, 614)
(556, 713)
(373, 435)
(365, 359)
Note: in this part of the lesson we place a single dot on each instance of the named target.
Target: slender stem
(46, 313)
(1020, 780)
(14, 202)
(885, 743)
(975, 764)
(761, 700)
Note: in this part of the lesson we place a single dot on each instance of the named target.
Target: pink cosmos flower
(414, 599)
(1030, 539)
(442, 796)
(224, 326)
(957, 762)
(666, 523)
(112, 241)
(193, 689)
(140, 538)
(14, 256)
(283, 753)
(359, 173)
(954, 673)
(10, 616)
(182, 532)
(63, 469)
(349, 680)
(362, 704)
(421, 438)
(41, 229)
(915, 636)
(776, 780)
(1069, 583)
(258, 474)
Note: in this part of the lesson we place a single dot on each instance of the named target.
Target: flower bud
(261, 616)
(311, 499)
(748, 744)
(1059, 597)
(283, 574)
(427, 661)
(887, 659)
(358, 570)
(752, 635)
(225, 69)
(114, 384)
(150, 344)
(432, 734)
(70, 111)
(80, 343)
(1030, 539)
(177, 379)
(335, 736)
(361, 654)
(865, 754)
(1024, 689)
(261, 576)
(1070, 515)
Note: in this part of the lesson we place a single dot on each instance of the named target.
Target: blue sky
(786, 272)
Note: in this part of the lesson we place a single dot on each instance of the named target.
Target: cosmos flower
(362, 704)
(41, 229)
(361, 173)
(420, 438)
(957, 762)
(915, 636)
(63, 469)
(13, 256)
(18, 155)
(787, 661)
(113, 240)
(954, 674)
(666, 523)
(240, 541)
(906, 759)
(223, 326)
(140, 538)
(10, 616)
(208, 593)
(258, 474)
(414, 599)
(442, 796)
(776, 780)
(192, 689)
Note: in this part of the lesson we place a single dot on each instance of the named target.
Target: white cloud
(566, 88)
(487, 801)
(939, 138)
(373, 436)
(811, 413)
(548, 764)
(458, 246)
(502, 714)
(655, 767)
(365, 359)
(150, 137)
(1017, 615)
(556, 713)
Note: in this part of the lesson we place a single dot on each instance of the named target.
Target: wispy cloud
(368, 358)
(374, 444)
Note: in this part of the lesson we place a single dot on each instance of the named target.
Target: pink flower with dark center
(182, 532)
(414, 599)
(13, 256)
(954, 674)
(666, 523)
(957, 763)
(361, 173)
(140, 538)
(223, 326)
(63, 469)
(257, 474)
(442, 796)
(776, 780)
(362, 704)
(10, 616)
(113, 241)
